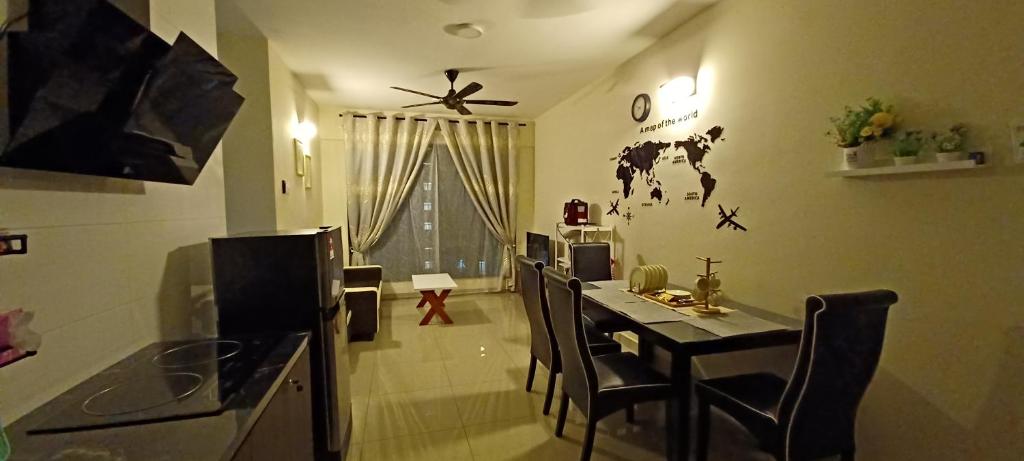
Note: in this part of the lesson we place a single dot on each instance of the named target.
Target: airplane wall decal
(613, 208)
(727, 219)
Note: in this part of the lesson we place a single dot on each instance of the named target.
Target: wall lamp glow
(304, 131)
(677, 90)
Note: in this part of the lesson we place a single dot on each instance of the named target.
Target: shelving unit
(565, 235)
(903, 169)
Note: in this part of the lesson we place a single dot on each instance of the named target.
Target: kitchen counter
(204, 438)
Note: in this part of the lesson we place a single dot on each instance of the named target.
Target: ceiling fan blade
(490, 102)
(463, 110)
(468, 90)
(415, 92)
(424, 104)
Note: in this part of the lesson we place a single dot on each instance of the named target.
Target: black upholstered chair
(362, 299)
(593, 262)
(543, 347)
(598, 385)
(811, 416)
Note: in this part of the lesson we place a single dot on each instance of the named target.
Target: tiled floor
(457, 392)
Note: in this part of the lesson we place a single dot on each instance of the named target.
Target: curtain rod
(381, 117)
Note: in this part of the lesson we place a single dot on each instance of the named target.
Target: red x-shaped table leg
(436, 305)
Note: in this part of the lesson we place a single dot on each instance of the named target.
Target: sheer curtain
(384, 158)
(438, 229)
(486, 157)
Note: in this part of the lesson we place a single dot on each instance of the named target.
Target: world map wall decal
(637, 167)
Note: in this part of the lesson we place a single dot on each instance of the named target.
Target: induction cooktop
(164, 381)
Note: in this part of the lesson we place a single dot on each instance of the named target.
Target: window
(438, 229)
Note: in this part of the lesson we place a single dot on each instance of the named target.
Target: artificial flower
(882, 120)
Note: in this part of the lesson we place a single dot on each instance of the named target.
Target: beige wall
(112, 263)
(289, 104)
(250, 186)
(260, 148)
(333, 174)
(772, 73)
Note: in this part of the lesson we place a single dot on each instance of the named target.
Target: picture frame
(307, 166)
(301, 153)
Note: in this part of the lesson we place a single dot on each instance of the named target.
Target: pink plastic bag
(6, 321)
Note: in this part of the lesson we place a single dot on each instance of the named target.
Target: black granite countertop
(204, 438)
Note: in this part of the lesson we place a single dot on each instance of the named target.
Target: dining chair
(591, 262)
(813, 414)
(543, 347)
(599, 385)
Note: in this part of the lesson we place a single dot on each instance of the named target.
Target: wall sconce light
(677, 90)
(304, 131)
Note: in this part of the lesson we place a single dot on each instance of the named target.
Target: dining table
(745, 328)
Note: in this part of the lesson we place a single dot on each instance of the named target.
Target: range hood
(91, 91)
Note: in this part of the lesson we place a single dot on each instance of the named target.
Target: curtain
(438, 229)
(383, 159)
(486, 156)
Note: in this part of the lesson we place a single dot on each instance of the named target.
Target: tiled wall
(112, 263)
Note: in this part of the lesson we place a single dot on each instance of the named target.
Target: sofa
(362, 301)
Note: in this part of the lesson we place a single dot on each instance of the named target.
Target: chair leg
(631, 414)
(551, 392)
(847, 455)
(703, 429)
(563, 411)
(588, 438)
(530, 374)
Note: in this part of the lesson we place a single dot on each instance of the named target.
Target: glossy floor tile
(410, 413)
(450, 445)
(458, 392)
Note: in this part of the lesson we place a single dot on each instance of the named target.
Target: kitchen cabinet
(285, 429)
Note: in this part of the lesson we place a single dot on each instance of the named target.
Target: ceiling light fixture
(464, 30)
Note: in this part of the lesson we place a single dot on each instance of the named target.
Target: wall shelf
(903, 169)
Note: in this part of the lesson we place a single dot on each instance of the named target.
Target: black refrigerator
(287, 281)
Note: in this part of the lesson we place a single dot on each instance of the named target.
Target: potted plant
(908, 144)
(869, 122)
(950, 144)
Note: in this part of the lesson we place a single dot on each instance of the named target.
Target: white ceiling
(348, 52)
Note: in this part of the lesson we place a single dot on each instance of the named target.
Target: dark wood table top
(681, 337)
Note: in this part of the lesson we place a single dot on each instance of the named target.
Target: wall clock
(641, 107)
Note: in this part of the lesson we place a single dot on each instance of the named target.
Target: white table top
(423, 282)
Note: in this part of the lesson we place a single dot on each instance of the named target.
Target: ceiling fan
(456, 100)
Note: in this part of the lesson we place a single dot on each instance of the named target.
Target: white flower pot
(949, 156)
(857, 157)
(902, 161)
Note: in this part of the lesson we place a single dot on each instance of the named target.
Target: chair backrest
(542, 338)
(591, 261)
(579, 377)
(839, 353)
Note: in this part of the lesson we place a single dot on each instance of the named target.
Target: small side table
(435, 288)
